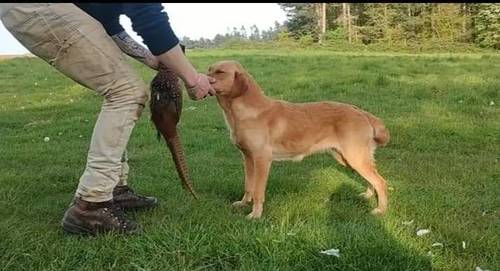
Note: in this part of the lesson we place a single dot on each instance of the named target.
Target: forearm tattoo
(130, 47)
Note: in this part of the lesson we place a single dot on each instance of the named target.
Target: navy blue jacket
(148, 20)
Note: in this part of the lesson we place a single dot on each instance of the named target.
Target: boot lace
(117, 214)
(132, 193)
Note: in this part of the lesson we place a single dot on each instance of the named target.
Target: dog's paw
(366, 195)
(253, 215)
(239, 204)
(377, 211)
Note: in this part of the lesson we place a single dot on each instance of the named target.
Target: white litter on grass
(461, 101)
(71, 100)
(36, 84)
(60, 133)
(437, 245)
(430, 254)
(46, 139)
(484, 213)
(407, 223)
(492, 103)
(80, 136)
(480, 269)
(463, 245)
(422, 232)
(332, 252)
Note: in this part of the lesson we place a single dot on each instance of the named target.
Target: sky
(193, 20)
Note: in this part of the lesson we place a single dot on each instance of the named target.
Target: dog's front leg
(249, 182)
(262, 165)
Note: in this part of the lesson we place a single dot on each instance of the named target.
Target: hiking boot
(126, 198)
(85, 217)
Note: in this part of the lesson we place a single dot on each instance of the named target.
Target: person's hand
(151, 61)
(197, 84)
(202, 88)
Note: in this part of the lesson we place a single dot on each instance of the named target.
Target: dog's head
(232, 79)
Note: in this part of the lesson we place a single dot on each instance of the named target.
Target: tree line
(235, 34)
(388, 24)
(396, 23)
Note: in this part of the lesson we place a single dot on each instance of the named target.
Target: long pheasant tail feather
(178, 156)
(166, 108)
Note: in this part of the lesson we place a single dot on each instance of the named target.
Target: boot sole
(78, 230)
(138, 208)
(75, 229)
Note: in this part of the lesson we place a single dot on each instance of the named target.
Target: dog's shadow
(292, 177)
(320, 200)
(363, 238)
(289, 179)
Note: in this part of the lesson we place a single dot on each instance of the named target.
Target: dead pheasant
(166, 109)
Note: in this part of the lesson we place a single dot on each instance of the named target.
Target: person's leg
(124, 170)
(124, 196)
(77, 45)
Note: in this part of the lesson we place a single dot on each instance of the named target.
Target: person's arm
(151, 23)
(109, 16)
(177, 61)
(197, 84)
(135, 50)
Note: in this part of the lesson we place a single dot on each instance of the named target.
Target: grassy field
(442, 166)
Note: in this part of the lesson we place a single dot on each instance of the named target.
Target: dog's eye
(219, 71)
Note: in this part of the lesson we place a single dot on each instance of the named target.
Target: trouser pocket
(28, 25)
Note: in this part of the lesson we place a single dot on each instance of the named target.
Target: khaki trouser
(78, 46)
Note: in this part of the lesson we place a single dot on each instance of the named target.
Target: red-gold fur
(265, 129)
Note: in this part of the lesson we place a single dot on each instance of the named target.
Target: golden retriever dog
(267, 130)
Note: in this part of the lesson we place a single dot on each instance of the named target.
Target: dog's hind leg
(338, 156)
(361, 160)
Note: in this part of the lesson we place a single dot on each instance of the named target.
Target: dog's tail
(380, 133)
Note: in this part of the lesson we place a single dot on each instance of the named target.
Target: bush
(337, 35)
(487, 26)
(306, 40)
(284, 36)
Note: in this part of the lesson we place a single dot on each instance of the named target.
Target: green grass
(342, 46)
(442, 166)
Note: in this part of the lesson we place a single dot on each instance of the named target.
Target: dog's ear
(240, 85)
(183, 48)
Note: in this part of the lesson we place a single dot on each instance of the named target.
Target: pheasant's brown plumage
(166, 109)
